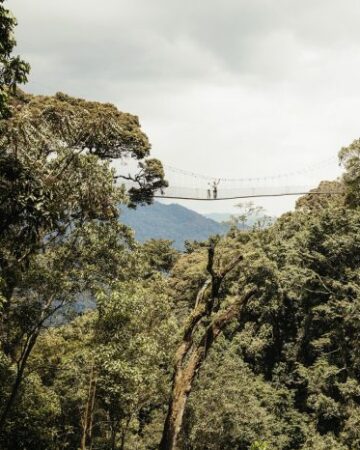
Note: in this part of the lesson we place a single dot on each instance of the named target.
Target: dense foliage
(283, 374)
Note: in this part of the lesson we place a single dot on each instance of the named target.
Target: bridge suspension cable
(301, 171)
(187, 185)
(208, 194)
(284, 194)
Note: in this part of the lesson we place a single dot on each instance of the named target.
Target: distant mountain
(173, 222)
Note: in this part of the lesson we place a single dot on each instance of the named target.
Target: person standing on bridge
(209, 191)
(215, 188)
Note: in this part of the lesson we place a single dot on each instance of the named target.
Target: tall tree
(194, 347)
(57, 184)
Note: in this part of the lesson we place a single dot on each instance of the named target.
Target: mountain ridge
(174, 222)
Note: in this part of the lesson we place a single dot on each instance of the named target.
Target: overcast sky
(229, 88)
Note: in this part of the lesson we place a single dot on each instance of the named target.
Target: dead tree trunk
(190, 356)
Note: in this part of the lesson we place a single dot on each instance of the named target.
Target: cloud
(181, 39)
(161, 41)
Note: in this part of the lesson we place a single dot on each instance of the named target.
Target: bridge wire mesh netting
(188, 185)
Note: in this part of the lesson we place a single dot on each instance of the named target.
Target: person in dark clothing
(215, 188)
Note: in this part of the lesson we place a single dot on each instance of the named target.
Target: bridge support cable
(206, 194)
(284, 194)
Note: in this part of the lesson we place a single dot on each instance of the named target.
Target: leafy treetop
(13, 70)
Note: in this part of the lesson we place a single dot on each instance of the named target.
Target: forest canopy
(248, 341)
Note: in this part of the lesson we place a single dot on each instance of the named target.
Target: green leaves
(350, 158)
(149, 180)
(134, 337)
(13, 70)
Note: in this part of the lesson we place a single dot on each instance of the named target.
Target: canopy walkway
(186, 185)
(183, 193)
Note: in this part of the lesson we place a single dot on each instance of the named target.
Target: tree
(134, 338)
(160, 255)
(350, 159)
(250, 215)
(192, 350)
(13, 70)
(58, 186)
(303, 337)
(54, 281)
(109, 368)
(62, 128)
(233, 407)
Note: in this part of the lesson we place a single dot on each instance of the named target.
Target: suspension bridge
(187, 185)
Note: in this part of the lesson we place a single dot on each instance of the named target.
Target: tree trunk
(190, 355)
(174, 419)
(113, 438)
(124, 433)
(19, 376)
(22, 362)
(184, 377)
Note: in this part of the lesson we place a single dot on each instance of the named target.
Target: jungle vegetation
(248, 341)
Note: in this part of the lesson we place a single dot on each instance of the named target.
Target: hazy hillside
(173, 222)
